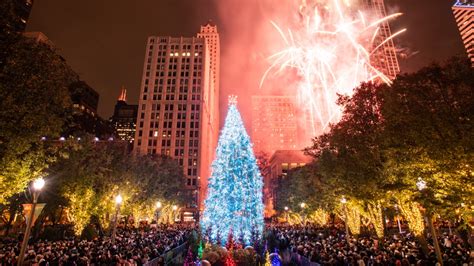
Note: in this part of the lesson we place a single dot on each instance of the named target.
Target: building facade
(124, 119)
(274, 124)
(463, 11)
(385, 58)
(281, 162)
(17, 13)
(178, 107)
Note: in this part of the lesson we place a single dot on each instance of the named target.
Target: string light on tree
(234, 202)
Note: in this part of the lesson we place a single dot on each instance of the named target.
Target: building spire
(123, 94)
(232, 100)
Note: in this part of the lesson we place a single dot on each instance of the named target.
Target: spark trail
(331, 47)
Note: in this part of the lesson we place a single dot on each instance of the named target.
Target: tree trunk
(439, 255)
(8, 224)
(424, 245)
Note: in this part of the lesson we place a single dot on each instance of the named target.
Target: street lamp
(286, 213)
(118, 202)
(158, 207)
(344, 201)
(37, 186)
(398, 220)
(303, 205)
(422, 187)
(175, 208)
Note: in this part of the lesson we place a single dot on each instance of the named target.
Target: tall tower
(464, 14)
(124, 119)
(210, 34)
(385, 58)
(178, 107)
(274, 125)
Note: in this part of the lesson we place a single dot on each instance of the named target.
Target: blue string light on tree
(234, 201)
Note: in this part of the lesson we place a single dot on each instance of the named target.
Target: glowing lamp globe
(38, 184)
(118, 199)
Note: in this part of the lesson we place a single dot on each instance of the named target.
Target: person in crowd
(327, 246)
(133, 246)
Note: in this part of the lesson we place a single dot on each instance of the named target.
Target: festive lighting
(375, 214)
(38, 184)
(411, 212)
(175, 207)
(118, 199)
(234, 202)
(319, 217)
(421, 184)
(331, 47)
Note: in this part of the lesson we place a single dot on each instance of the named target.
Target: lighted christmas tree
(234, 202)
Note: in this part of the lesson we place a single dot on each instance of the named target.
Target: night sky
(104, 40)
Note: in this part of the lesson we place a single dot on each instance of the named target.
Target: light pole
(38, 184)
(303, 205)
(398, 220)
(422, 187)
(158, 207)
(344, 201)
(118, 202)
(174, 208)
(286, 213)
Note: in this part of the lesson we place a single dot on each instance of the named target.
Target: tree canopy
(34, 102)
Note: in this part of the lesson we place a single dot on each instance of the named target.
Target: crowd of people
(133, 246)
(323, 246)
(326, 246)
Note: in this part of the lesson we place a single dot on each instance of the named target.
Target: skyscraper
(385, 58)
(178, 105)
(124, 119)
(464, 14)
(15, 15)
(274, 125)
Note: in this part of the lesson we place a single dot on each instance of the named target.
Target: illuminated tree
(234, 201)
(34, 102)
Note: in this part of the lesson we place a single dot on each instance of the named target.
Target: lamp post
(303, 205)
(398, 220)
(422, 187)
(158, 207)
(38, 184)
(118, 202)
(286, 213)
(174, 208)
(344, 201)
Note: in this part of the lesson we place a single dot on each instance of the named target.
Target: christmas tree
(234, 202)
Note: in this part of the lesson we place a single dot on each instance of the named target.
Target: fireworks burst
(331, 48)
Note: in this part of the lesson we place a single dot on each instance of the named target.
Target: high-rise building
(385, 58)
(15, 15)
(178, 106)
(124, 119)
(281, 162)
(274, 124)
(210, 34)
(464, 14)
